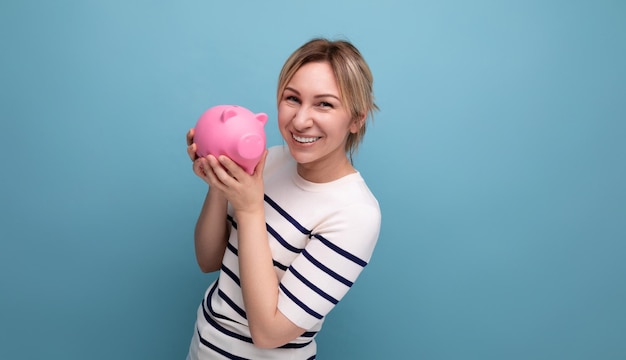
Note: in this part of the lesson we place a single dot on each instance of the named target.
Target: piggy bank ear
(227, 114)
(261, 117)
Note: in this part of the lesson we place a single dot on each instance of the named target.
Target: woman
(290, 239)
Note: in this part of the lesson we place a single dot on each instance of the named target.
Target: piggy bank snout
(251, 146)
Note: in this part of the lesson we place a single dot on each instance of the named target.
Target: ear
(357, 124)
(227, 114)
(262, 117)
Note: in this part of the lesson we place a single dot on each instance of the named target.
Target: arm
(212, 231)
(268, 326)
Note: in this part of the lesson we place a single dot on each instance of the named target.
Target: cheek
(284, 114)
(281, 119)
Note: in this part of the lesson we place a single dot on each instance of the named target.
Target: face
(315, 123)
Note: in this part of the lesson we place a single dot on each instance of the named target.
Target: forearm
(211, 232)
(259, 284)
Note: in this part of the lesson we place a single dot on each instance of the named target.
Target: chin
(301, 157)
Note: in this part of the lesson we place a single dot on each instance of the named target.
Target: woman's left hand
(245, 192)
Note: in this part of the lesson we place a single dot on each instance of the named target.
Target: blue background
(498, 158)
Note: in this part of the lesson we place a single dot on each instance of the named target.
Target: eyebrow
(316, 96)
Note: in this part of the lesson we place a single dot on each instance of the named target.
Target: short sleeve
(321, 275)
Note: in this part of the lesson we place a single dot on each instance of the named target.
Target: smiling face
(315, 123)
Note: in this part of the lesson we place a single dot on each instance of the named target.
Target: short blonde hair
(353, 76)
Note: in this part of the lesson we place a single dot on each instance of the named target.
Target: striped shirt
(321, 236)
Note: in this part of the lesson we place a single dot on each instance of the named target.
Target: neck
(322, 173)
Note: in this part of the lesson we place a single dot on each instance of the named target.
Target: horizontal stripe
(340, 251)
(282, 241)
(231, 274)
(208, 303)
(218, 350)
(208, 316)
(295, 345)
(232, 304)
(232, 248)
(325, 269)
(279, 265)
(300, 303)
(213, 312)
(231, 220)
(306, 231)
(217, 326)
(312, 286)
(293, 221)
(232, 334)
(223, 330)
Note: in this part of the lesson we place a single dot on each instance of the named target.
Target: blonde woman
(290, 239)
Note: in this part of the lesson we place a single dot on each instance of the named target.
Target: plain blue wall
(498, 158)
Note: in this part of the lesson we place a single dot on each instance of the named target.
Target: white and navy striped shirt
(321, 236)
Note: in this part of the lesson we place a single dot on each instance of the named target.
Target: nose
(302, 119)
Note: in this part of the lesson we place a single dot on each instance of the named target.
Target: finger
(213, 172)
(204, 170)
(190, 135)
(191, 151)
(191, 146)
(231, 167)
(211, 177)
(200, 167)
(212, 161)
(258, 169)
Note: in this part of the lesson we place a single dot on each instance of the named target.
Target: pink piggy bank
(233, 131)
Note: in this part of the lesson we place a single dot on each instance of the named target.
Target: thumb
(258, 170)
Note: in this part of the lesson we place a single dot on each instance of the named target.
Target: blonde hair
(353, 76)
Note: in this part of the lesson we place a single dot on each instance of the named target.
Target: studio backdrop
(498, 159)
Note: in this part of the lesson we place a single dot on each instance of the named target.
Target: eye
(325, 104)
(292, 99)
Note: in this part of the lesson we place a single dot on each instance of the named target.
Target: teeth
(305, 139)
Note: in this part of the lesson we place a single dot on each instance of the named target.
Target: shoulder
(350, 216)
(356, 205)
(353, 191)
